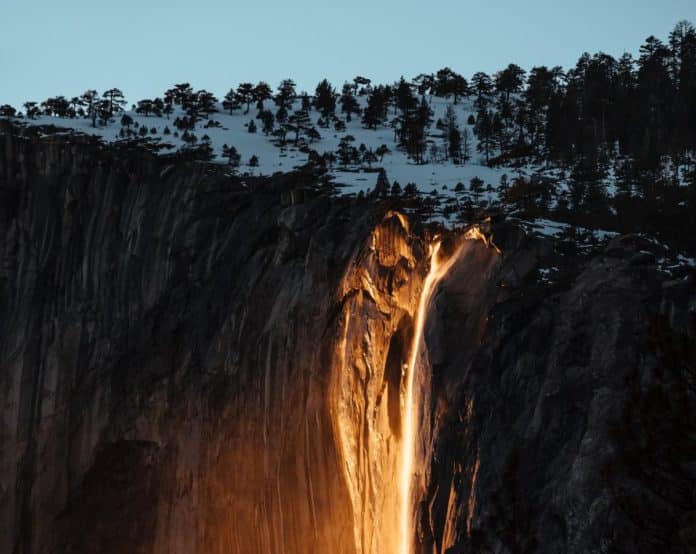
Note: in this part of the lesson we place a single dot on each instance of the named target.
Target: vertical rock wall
(186, 366)
(563, 426)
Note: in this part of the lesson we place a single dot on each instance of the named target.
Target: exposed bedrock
(566, 424)
(194, 363)
(187, 366)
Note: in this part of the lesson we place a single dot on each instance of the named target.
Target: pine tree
(103, 111)
(167, 109)
(57, 106)
(169, 97)
(204, 103)
(185, 123)
(482, 84)
(90, 98)
(382, 186)
(375, 111)
(7, 111)
(245, 95)
(442, 82)
(381, 151)
(115, 99)
(31, 110)
(231, 101)
(181, 95)
(286, 94)
(144, 107)
(411, 129)
(262, 92)
(349, 105)
(447, 82)
(484, 132)
(201, 152)
(158, 107)
(466, 145)
(510, 80)
(126, 121)
(325, 100)
(460, 87)
(404, 96)
(362, 85)
(281, 133)
(476, 188)
(542, 84)
(498, 130)
(425, 83)
(282, 114)
(268, 121)
(75, 107)
(453, 137)
(298, 123)
(305, 101)
(369, 157)
(346, 151)
(624, 86)
(655, 94)
(232, 155)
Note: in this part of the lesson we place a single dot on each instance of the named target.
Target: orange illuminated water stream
(438, 269)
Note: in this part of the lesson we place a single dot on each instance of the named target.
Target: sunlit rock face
(379, 297)
(191, 367)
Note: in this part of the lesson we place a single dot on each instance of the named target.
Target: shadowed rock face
(567, 426)
(189, 366)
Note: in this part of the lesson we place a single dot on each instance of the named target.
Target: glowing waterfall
(437, 271)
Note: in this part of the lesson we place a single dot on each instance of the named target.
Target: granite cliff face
(194, 363)
(188, 366)
(566, 426)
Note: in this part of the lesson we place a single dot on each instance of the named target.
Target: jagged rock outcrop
(193, 362)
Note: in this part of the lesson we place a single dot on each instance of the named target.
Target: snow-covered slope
(233, 131)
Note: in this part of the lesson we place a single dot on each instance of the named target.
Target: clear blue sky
(51, 47)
